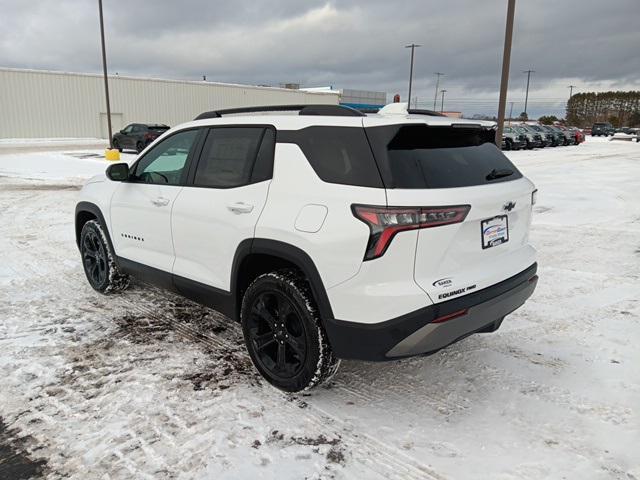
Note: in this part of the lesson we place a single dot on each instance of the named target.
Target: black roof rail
(433, 113)
(330, 110)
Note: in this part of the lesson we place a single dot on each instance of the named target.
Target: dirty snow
(148, 385)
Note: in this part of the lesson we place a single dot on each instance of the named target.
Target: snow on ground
(148, 385)
(73, 167)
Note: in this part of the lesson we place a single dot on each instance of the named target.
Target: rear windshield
(158, 128)
(420, 156)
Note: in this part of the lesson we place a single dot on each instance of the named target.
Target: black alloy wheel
(283, 332)
(139, 147)
(277, 334)
(94, 259)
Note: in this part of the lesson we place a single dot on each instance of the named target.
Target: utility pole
(506, 60)
(510, 113)
(435, 97)
(442, 104)
(526, 97)
(413, 46)
(104, 70)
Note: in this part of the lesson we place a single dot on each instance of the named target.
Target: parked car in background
(512, 139)
(533, 138)
(136, 136)
(547, 136)
(569, 136)
(602, 128)
(578, 135)
(557, 138)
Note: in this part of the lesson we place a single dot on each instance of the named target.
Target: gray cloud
(350, 44)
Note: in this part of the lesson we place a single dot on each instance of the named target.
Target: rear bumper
(416, 334)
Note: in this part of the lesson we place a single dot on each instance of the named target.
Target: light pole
(104, 70)
(413, 46)
(571, 87)
(526, 97)
(510, 113)
(442, 104)
(435, 97)
(506, 60)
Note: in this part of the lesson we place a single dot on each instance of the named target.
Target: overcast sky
(594, 45)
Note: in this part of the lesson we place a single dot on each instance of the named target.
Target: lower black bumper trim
(374, 342)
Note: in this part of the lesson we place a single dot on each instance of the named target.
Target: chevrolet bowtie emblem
(507, 207)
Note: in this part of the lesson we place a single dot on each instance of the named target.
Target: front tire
(116, 145)
(283, 332)
(98, 260)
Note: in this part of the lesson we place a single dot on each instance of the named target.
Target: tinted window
(138, 129)
(158, 128)
(419, 156)
(165, 162)
(228, 157)
(337, 154)
(263, 168)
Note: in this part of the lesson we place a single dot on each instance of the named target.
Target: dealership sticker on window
(495, 231)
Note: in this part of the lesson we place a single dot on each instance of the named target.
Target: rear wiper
(493, 174)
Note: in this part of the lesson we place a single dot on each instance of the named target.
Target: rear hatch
(458, 166)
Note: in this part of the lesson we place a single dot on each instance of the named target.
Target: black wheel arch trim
(290, 253)
(93, 209)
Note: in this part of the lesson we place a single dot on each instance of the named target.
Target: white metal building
(45, 104)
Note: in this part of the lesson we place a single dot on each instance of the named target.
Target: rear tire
(283, 332)
(98, 260)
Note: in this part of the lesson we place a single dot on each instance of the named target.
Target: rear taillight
(385, 222)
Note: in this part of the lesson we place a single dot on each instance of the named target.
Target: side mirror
(118, 172)
(122, 131)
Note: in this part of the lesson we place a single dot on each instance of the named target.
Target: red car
(578, 135)
(572, 133)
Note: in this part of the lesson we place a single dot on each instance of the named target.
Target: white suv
(327, 233)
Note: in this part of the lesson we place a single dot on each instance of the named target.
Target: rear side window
(229, 156)
(337, 154)
(419, 156)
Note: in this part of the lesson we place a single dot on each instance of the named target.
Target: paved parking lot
(148, 385)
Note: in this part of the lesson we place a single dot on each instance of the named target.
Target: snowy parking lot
(148, 385)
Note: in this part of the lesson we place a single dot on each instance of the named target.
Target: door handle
(160, 202)
(240, 207)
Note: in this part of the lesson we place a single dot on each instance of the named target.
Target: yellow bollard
(113, 155)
